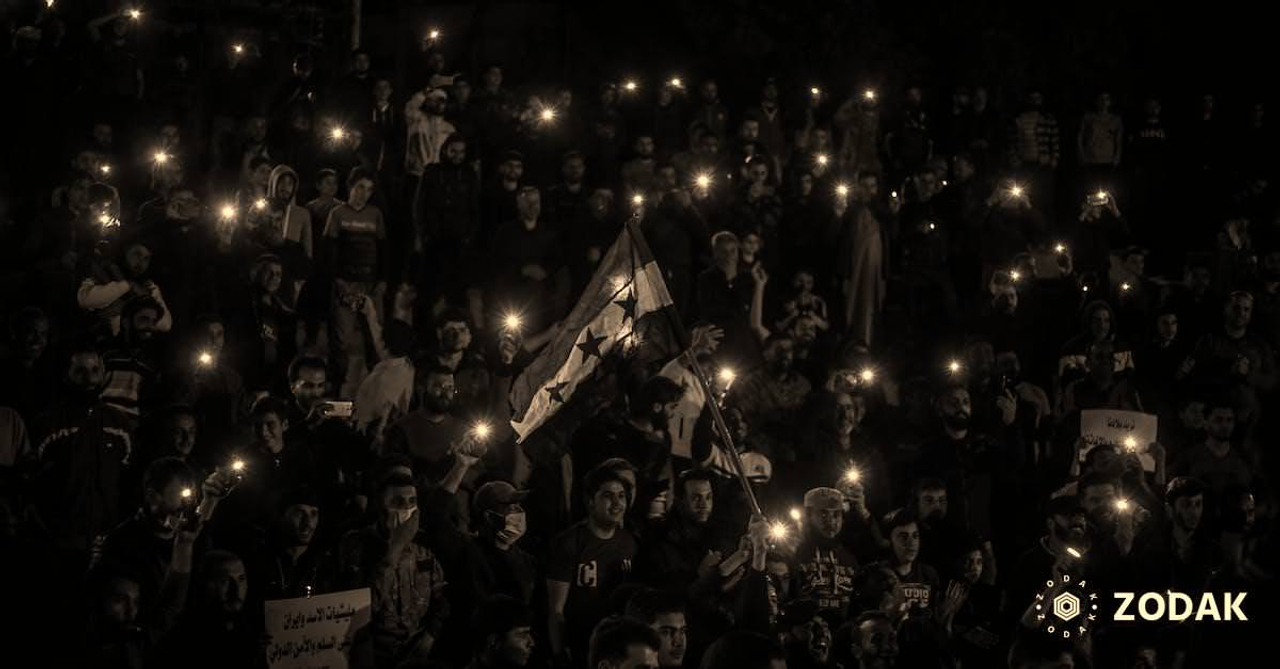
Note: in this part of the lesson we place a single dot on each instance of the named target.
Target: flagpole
(633, 229)
(718, 419)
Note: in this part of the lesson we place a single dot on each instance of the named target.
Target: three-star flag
(623, 304)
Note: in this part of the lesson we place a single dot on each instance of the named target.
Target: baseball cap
(1183, 486)
(497, 493)
(757, 467)
(823, 498)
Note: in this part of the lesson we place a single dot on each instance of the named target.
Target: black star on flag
(628, 305)
(556, 390)
(590, 346)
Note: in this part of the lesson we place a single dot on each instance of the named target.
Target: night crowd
(275, 362)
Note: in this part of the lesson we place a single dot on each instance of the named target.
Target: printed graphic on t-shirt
(917, 594)
(359, 226)
(587, 574)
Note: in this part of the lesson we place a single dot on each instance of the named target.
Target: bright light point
(727, 375)
(852, 475)
(1130, 444)
(187, 493)
(630, 85)
(868, 94)
(1073, 553)
(815, 91)
(1060, 248)
(796, 514)
(1016, 191)
(893, 194)
(953, 366)
(933, 226)
(1122, 504)
(1084, 288)
(511, 322)
(481, 430)
(337, 133)
(868, 375)
(703, 181)
(238, 48)
(1101, 195)
(433, 34)
(237, 466)
(228, 211)
(547, 114)
(206, 359)
(260, 204)
(778, 531)
(1125, 287)
(135, 14)
(105, 169)
(104, 219)
(1015, 275)
(842, 190)
(637, 199)
(676, 82)
(944, 183)
(823, 159)
(160, 157)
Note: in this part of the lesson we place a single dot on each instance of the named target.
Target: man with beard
(773, 395)
(527, 264)
(588, 561)
(133, 363)
(642, 439)
(1214, 461)
(1236, 359)
(336, 452)
(455, 352)
(567, 200)
(447, 213)
(972, 465)
(674, 549)
(822, 569)
(1180, 557)
(638, 173)
(939, 538)
(429, 434)
(217, 631)
(503, 635)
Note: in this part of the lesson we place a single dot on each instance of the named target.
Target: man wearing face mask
(83, 446)
(409, 606)
(822, 569)
(498, 565)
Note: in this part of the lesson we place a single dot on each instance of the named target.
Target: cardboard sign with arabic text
(1126, 430)
(315, 632)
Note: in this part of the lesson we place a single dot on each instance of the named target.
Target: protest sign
(316, 632)
(1130, 431)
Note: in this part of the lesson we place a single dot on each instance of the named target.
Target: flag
(625, 309)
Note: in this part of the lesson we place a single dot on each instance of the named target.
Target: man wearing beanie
(823, 568)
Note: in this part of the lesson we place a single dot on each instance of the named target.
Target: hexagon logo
(1066, 606)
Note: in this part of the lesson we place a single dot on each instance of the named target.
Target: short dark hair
(867, 616)
(926, 483)
(268, 405)
(650, 603)
(741, 649)
(452, 315)
(132, 307)
(396, 480)
(600, 475)
(213, 559)
(306, 362)
(163, 471)
(497, 614)
(258, 161)
(898, 518)
(326, 172)
(360, 173)
(615, 635)
(1219, 401)
(1094, 478)
(655, 390)
(695, 474)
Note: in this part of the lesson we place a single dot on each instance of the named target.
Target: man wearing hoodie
(285, 227)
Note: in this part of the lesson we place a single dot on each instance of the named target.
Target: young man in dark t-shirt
(356, 237)
(588, 561)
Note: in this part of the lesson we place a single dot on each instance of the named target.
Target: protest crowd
(624, 373)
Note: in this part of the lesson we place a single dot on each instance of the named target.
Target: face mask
(513, 527)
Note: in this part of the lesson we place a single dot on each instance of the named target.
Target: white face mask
(513, 528)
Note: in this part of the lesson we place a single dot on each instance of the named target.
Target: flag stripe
(627, 271)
